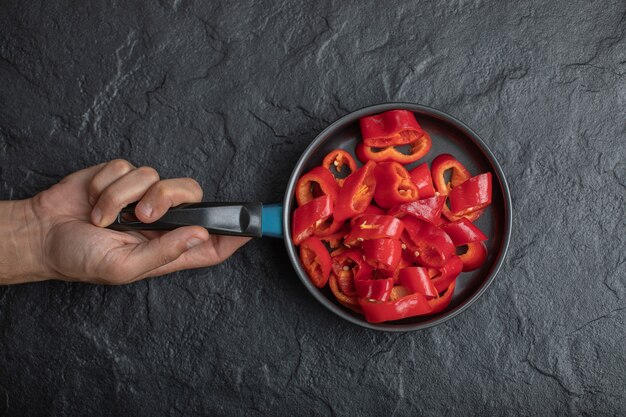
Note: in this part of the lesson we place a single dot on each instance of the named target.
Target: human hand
(74, 244)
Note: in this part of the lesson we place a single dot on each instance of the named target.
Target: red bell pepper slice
(374, 226)
(422, 179)
(374, 289)
(440, 165)
(472, 195)
(394, 127)
(328, 227)
(369, 210)
(394, 185)
(315, 183)
(335, 240)
(408, 306)
(439, 304)
(383, 254)
(308, 217)
(462, 232)
(417, 150)
(351, 261)
(349, 301)
(417, 280)
(430, 245)
(427, 209)
(316, 261)
(335, 161)
(447, 274)
(356, 193)
(474, 257)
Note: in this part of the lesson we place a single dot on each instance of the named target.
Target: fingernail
(145, 209)
(194, 241)
(96, 216)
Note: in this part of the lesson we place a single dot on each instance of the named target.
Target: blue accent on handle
(272, 220)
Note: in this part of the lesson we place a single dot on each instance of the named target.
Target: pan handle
(233, 219)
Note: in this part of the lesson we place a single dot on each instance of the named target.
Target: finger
(165, 194)
(111, 172)
(212, 252)
(128, 189)
(83, 175)
(145, 257)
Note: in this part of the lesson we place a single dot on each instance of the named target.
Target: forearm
(21, 254)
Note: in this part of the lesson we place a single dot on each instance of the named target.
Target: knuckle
(161, 190)
(121, 166)
(148, 173)
(195, 187)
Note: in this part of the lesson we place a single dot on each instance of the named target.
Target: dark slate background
(230, 93)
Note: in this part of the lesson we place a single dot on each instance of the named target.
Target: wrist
(22, 257)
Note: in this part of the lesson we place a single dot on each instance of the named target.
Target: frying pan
(448, 134)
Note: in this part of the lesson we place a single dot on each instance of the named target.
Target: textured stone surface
(230, 93)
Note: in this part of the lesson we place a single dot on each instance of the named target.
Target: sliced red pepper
(351, 262)
(394, 127)
(417, 150)
(374, 289)
(335, 240)
(439, 304)
(383, 254)
(408, 306)
(308, 217)
(472, 217)
(474, 257)
(335, 161)
(315, 261)
(328, 227)
(350, 301)
(427, 209)
(431, 246)
(356, 193)
(462, 232)
(472, 195)
(369, 210)
(394, 185)
(399, 291)
(418, 280)
(374, 226)
(447, 274)
(440, 165)
(315, 183)
(422, 179)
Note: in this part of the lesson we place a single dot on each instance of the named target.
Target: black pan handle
(233, 219)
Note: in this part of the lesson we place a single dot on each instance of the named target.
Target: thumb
(162, 250)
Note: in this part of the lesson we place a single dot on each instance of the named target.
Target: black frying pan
(448, 134)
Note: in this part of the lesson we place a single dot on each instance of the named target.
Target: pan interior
(448, 136)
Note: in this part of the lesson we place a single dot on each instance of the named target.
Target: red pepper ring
(308, 217)
(447, 274)
(439, 304)
(472, 217)
(393, 127)
(408, 306)
(427, 209)
(315, 183)
(417, 150)
(472, 195)
(369, 210)
(357, 192)
(462, 232)
(383, 254)
(440, 165)
(351, 262)
(394, 185)
(374, 289)
(417, 280)
(351, 302)
(373, 226)
(334, 162)
(316, 261)
(432, 247)
(474, 257)
(423, 180)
